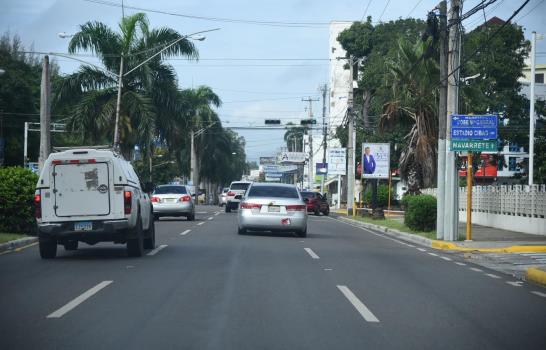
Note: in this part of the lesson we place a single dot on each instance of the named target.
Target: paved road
(208, 288)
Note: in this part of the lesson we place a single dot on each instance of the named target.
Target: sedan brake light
(231, 193)
(156, 199)
(246, 205)
(297, 207)
(185, 198)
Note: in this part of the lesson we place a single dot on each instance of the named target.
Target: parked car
(273, 207)
(223, 196)
(237, 190)
(173, 200)
(91, 196)
(316, 203)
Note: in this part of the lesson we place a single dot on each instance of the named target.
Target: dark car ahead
(316, 203)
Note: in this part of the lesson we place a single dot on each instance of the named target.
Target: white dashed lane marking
(492, 275)
(421, 249)
(445, 258)
(311, 253)
(156, 250)
(460, 263)
(475, 269)
(185, 232)
(515, 283)
(201, 223)
(540, 294)
(358, 305)
(433, 254)
(78, 300)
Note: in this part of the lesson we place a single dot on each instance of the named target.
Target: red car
(316, 203)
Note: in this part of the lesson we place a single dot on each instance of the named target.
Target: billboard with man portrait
(375, 160)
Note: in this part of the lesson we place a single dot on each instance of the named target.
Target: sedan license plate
(83, 226)
(274, 209)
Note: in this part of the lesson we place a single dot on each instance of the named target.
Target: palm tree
(149, 99)
(414, 99)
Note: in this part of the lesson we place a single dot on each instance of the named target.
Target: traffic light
(308, 121)
(272, 122)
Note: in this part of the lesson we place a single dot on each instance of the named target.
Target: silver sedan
(273, 207)
(173, 200)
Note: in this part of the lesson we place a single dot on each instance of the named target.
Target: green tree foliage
(16, 199)
(382, 196)
(293, 137)
(19, 97)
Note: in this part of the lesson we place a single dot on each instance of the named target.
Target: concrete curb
(17, 243)
(536, 276)
(426, 242)
(441, 245)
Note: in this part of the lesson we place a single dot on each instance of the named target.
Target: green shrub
(382, 196)
(17, 187)
(420, 212)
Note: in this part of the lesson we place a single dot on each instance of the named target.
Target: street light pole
(532, 112)
(118, 104)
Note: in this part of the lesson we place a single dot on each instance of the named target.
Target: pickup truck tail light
(156, 199)
(246, 205)
(231, 193)
(127, 202)
(37, 206)
(296, 207)
(185, 198)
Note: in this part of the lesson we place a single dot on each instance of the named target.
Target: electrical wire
(366, 10)
(384, 9)
(414, 7)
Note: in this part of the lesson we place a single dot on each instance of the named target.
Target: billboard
(268, 160)
(376, 160)
(292, 157)
(337, 161)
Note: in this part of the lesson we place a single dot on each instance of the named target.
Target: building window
(512, 164)
(539, 78)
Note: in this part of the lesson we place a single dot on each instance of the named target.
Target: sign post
(473, 133)
(375, 165)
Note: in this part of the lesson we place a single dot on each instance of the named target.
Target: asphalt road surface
(205, 287)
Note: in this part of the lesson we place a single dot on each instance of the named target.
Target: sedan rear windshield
(170, 190)
(273, 191)
(308, 194)
(239, 186)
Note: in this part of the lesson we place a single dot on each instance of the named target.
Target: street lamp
(2, 71)
(63, 35)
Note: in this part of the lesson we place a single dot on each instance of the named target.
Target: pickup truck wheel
(241, 231)
(149, 241)
(327, 211)
(71, 245)
(135, 246)
(228, 208)
(156, 217)
(317, 211)
(48, 248)
(302, 233)
(191, 217)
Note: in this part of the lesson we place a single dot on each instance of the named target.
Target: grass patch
(6, 237)
(395, 224)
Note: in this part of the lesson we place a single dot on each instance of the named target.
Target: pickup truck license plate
(83, 226)
(274, 209)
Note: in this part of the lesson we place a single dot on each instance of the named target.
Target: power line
(384, 9)
(531, 10)
(259, 100)
(366, 10)
(216, 19)
(414, 7)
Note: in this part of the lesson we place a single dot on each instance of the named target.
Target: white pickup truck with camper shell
(92, 195)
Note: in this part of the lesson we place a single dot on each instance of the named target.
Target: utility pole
(451, 216)
(350, 143)
(442, 113)
(324, 133)
(193, 161)
(532, 111)
(310, 177)
(45, 115)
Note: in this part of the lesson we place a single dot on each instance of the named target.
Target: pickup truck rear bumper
(109, 230)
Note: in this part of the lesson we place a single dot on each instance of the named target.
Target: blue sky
(252, 90)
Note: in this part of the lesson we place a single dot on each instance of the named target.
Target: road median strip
(18, 244)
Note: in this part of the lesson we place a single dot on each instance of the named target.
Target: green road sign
(474, 145)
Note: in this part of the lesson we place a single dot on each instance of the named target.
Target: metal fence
(515, 200)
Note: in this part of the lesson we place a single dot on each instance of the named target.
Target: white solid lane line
(540, 294)
(475, 269)
(78, 300)
(359, 306)
(312, 253)
(185, 232)
(156, 250)
(201, 223)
